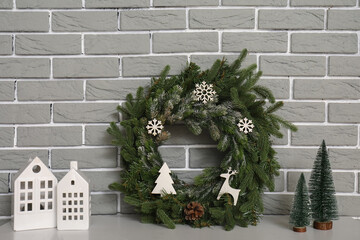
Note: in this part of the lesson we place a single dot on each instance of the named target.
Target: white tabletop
(128, 227)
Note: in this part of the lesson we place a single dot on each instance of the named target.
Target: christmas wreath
(238, 114)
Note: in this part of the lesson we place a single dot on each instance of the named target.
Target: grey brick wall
(66, 64)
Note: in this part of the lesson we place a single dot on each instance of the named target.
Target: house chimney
(74, 165)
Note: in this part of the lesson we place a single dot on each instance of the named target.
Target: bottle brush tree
(301, 213)
(322, 190)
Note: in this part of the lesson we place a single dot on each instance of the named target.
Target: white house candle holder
(73, 200)
(34, 205)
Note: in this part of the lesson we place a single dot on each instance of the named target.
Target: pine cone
(193, 211)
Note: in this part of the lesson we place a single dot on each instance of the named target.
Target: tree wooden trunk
(323, 225)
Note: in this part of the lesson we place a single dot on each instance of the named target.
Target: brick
(24, 21)
(152, 20)
(6, 137)
(344, 158)
(255, 42)
(187, 3)
(277, 204)
(279, 183)
(117, 3)
(112, 89)
(47, 44)
(254, 3)
(344, 112)
(281, 141)
(49, 90)
(52, 4)
(49, 136)
(100, 181)
(324, 43)
(14, 159)
(222, 18)
(292, 65)
(87, 158)
(296, 158)
(152, 65)
(206, 61)
(125, 207)
(344, 19)
(322, 3)
(205, 157)
(24, 68)
(303, 112)
(343, 181)
(4, 182)
(5, 45)
(4, 221)
(6, 4)
(180, 135)
(81, 21)
(117, 44)
(187, 176)
(291, 19)
(24, 113)
(344, 66)
(85, 67)
(333, 135)
(97, 135)
(185, 42)
(7, 91)
(346, 205)
(280, 87)
(5, 205)
(326, 88)
(303, 158)
(103, 204)
(85, 112)
(174, 157)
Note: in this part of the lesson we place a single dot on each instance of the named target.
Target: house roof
(30, 164)
(74, 170)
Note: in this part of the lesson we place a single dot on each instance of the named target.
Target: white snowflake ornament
(154, 127)
(204, 92)
(245, 125)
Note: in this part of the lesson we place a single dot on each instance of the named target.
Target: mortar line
(326, 112)
(187, 158)
(83, 134)
(187, 20)
(169, 54)
(152, 8)
(256, 19)
(49, 157)
(285, 180)
(234, 30)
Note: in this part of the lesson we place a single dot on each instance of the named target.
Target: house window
(72, 182)
(26, 196)
(36, 169)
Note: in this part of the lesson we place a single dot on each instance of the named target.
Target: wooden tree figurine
(164, 183)
(322, 190)
(300, 213)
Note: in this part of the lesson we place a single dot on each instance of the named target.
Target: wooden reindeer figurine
(226, 188)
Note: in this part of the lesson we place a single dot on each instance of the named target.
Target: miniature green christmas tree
(322, 190)
(301, 213)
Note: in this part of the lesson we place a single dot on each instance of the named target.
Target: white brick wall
(66, 64)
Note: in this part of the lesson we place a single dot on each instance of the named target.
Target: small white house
(34, 205)
(73, 200)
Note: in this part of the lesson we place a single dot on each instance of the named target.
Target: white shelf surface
(128, 227)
